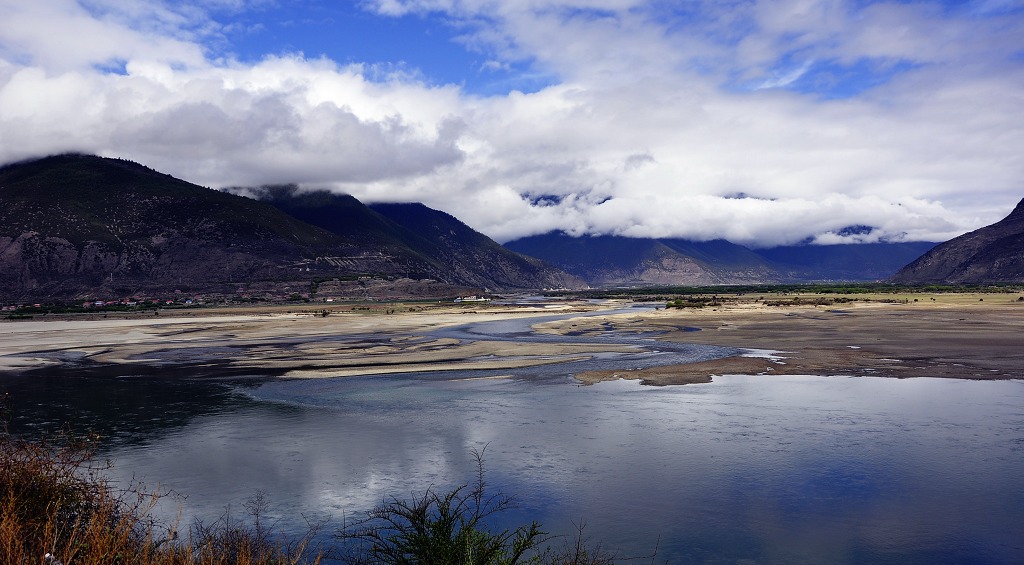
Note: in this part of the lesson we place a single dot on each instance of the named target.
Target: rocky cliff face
(991, 254)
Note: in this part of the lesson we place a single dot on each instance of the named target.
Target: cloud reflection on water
(773, 469)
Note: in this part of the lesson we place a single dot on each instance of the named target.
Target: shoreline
(965, 338)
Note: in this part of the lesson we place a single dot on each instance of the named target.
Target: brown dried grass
(56, 508)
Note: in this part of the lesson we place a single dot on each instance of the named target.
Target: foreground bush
(56, 508)
(444, 528)
(451, 528)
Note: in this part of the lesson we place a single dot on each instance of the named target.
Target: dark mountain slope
(339, 214)
(469, 254)
(86, 198)
(423, 242)
(79, 225)
(355, 223)
(990, 254)
(74, 222)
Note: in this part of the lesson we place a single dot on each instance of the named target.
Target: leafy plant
(447, 528)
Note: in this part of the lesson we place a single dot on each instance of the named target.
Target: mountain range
(75, 226)
(81, 225)
(621, 261)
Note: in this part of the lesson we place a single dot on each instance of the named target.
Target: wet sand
(347, 342)
(953, 336)
(956, 336)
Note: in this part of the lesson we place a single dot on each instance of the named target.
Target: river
(758, 469)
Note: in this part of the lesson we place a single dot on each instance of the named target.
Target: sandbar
(345, 342)
(948, 336)
(971, 336)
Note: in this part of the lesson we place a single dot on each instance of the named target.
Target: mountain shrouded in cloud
(764, 123)
(75, 226)
(990, 254)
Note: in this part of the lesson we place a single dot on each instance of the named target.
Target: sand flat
(961, 336)
(278, 343)
(955, 336)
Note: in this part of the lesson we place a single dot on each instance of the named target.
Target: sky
(762, 122)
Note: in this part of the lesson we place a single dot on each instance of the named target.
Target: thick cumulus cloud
(760, 122)
(165, 102)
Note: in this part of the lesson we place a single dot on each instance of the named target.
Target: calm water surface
(768, 469)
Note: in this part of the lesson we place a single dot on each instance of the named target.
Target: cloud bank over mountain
(760, 122)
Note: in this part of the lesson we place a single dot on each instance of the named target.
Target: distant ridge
(621, 261)
(849, 262)
(990, 254)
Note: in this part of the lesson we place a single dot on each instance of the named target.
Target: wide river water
(746, 469)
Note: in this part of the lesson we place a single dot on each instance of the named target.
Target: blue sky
(345, 32)
(632, 117)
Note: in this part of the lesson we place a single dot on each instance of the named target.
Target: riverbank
(950, 335)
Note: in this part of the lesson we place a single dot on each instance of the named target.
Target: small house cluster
(471, 299)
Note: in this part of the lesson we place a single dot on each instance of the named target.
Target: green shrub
(443, 528)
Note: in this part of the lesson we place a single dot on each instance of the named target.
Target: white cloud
(787, 78)
(61, 34)
(283, 120)
(645, 133)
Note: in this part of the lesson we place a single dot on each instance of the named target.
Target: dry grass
(56, 508)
